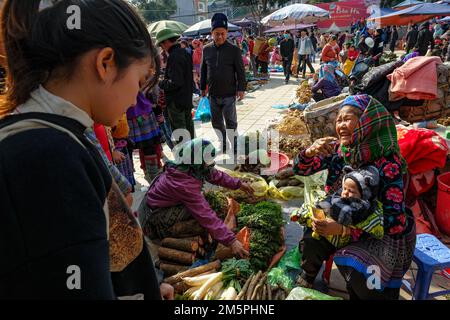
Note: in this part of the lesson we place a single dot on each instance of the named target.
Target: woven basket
(320, 117)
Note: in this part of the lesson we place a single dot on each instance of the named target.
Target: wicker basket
(320, 117)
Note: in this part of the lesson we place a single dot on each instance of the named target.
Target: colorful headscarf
(360, 101)
(327, 72)
(374, 137)
(195, 157)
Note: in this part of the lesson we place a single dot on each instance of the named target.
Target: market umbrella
(204, 27)
(415, 14)
(176, 26)
(304, 13)
(407, 3)
(446, 19)
(244, 23)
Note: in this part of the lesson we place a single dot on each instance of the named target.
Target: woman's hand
(323, 147)
(238, 250)
(247, 188)
(118, 157)
(167, 291)
(327, 227)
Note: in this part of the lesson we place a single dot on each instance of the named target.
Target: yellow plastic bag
(256, 182)
(285, 193)
(348, 66)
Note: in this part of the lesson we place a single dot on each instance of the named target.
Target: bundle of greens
(218, 202)
(237, 271)
(265, 220)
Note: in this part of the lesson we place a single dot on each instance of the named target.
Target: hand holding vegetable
(327, 227)
(323, 147)
(238, 249)
(247, 188)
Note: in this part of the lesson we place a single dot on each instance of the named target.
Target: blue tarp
(381, 12)
(446, 19)
(423, 9)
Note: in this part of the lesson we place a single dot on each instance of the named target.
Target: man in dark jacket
(394, 38)
(287, 47)
(411, 38)
(224, 74)
(178, 84)
(424, 39)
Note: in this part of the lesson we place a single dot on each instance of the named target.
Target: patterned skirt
(144, 127)
(392, 255)
(126, 167)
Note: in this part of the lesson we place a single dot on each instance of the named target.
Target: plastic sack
(203, 112)
(291, 260)
(301, 293)
(256, 182)
(284, 193)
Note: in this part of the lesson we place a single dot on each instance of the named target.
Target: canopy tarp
(415, 14)
(407, 3)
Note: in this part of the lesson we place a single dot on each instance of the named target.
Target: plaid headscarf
(195, 157)
(374, 137)
(327, 72)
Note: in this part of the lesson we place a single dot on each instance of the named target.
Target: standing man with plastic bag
(178, 82)
(224, 74)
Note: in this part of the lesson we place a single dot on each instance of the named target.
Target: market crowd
(77, 105)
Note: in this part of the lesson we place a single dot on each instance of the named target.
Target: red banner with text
(343, 14)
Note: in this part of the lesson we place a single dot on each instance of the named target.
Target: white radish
(229, 294)
(200, 294)
(213, 292)
(198, 281)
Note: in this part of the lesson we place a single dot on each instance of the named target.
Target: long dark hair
(37, 40)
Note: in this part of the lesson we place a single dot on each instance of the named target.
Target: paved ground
(253, 114)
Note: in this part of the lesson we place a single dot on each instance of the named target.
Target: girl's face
(346, 123)
(117, 91)
(350, 189)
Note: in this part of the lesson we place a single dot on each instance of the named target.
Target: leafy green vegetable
(234, 272)
(265, 220)
(218, 202)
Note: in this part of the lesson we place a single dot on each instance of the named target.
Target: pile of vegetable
(304, 93)
(388, 57)
(444, 121)
(265, 220)
(291, 146)
(218, 202)
(257, 183)
(222, 285)
(292, 123)
(257, 287)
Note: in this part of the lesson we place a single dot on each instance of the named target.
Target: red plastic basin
(279, 161)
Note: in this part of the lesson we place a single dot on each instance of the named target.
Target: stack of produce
(218, 202)
(292, 123)
(388, 57)
(444, 121)
(178, 254)
(304, 93)
(265, 221)
(223, 285)
(257, 183)
(257, 287)
(289, 145)
(180, 286)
